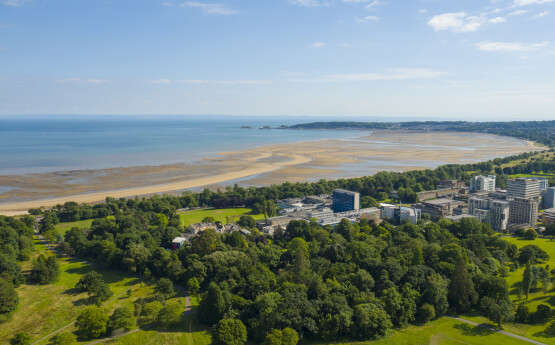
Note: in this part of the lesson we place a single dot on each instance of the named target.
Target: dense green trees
(8, 297)
(94, 285)
(230, 332)
(122, 318)
(91, 323)
(45, 269)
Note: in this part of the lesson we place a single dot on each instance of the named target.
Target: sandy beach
(303, 161)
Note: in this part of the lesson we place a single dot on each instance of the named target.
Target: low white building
(401, 213)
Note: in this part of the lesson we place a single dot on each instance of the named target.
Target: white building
(482, 183)
(400, 213)
(523, 188)
(490, 210)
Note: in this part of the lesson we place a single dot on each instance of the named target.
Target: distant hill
(542, 132)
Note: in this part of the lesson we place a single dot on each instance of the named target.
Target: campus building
(523, 188)
(482, 183)
(523, 212)
(548, 198)
(493, 211)
(400, 213)
(345, 200)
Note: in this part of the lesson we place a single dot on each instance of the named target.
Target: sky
(448, 59)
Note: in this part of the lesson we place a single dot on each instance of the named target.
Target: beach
(265, 165)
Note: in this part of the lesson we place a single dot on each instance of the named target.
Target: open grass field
(546, 155)
(444, 331)
(195, 216)
(63, 227)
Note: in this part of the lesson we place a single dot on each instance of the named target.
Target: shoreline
(306, 160)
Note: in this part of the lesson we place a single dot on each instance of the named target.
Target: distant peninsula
(542, 132)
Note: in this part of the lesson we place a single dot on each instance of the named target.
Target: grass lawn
(444, 331)
(536, 296)
(546, 155)
(195, 216)
(63, 227)
(45, 308)
(532, 175)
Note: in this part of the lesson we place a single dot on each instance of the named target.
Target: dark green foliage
(462, 295)
(46, 269)
(530, 234)
(497, 310)
(522, 314)
(370, 322)
(426, 312)
(91, 323)
(532, 254)
(89, 280)
(164, 286)
(542, 314)
(65, 338)
(8, 296)
(20, 338)
(172, 313)
(527, 279)
(122, 318)
(212, 305)
(550, 330)
(229, 332)
(193, 286)
(94, 285)
(247, 221)
(277, 337)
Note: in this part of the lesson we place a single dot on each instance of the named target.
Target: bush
(426, 312)
(21, 338)
(230, 332)
(530, 234)
(122, 318)
(550, 330)
(91, 323)
(542, 314)
(65, 338)
(171, 313)
(522, 314)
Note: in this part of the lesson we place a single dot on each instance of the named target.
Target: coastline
(302, 161)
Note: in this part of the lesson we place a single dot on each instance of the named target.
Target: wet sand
(303, 161)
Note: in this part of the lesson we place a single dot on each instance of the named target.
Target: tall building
(523, 188)
(490, 210)
(544, 183)
(344, 200)
(482, 183)
(548, 198)
(523, 212)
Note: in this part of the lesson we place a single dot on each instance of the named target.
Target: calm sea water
(47, 145)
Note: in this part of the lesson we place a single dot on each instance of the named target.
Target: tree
(370, 321)
(335, 317)
(99, 293)
(171, 313)
(91, 323)
(522, 314)
(8, 296)
(461, 294)
(527, 280)
(164, 286)
(150, 311)
(497, 310)
(247, 221)
(65, 338)
(550, 231)
(426, 312)
(89, 280)
(122, 318)
(212, 305)
(435, 293)
(46, 269)
(193, 286)
(530, 234)
(230, 332)
(286, 337)
(417, 258)
(21, 338)
(550, 330)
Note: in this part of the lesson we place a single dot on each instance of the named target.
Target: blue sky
(345, 58)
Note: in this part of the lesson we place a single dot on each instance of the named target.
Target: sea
(66, 143)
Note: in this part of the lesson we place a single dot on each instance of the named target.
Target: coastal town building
(548, 217)
(436, 193)
(400, 213)
(438, 207)
(178, 242)
(523, 188)
(221, 228)
(345, 200)
(493, 211)
(523, 213)
(548, 198)
(482, 183)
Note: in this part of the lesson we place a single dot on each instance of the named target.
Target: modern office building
(523, 188)
(438, 207)
(493, 211)
(544, 183)
(400, 213)
(344, 200)
(548, 217)
(523, 212)
(482, 183)
(548, 198)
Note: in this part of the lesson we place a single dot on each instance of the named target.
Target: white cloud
(210, 8)
(226, 82)
(531, 2)
(366, 19)
(373, 4)
(422, 11)
(518, 12)
(393, 74)
(305, 3)
(317, 45)
(539, 15)
(510, 46)
(13, 3)
(462, 22)
(497, 20)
